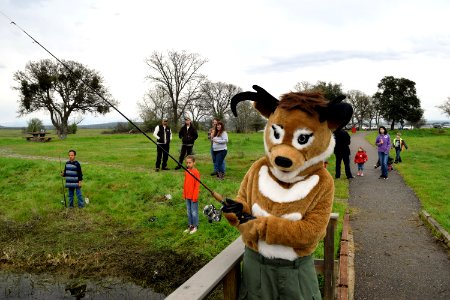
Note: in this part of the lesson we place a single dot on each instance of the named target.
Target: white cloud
(271, 43)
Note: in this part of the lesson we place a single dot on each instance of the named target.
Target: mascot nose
(283, 161)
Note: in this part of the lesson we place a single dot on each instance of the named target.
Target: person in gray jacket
(220, 141)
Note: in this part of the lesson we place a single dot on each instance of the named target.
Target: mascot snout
(283, 162)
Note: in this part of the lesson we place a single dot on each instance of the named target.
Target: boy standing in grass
(191, 190)
(74, 178)
(399, 145)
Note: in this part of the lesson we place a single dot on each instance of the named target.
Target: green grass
(425, 168)
(128, 218)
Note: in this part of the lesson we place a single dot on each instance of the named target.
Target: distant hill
(109, 125)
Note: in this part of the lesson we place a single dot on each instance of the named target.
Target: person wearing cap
(163, 134)
(188, 135)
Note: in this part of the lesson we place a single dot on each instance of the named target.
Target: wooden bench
(226, 268)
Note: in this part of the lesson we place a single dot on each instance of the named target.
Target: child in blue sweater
(74, 178)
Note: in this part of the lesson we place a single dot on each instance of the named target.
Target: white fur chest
(272, 190)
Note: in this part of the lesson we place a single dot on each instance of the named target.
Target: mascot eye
(302, 138)
(276, 133)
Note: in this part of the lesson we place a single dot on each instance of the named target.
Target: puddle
(42, 286)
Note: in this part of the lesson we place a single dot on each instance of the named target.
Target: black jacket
(188, 136)
(342, 142)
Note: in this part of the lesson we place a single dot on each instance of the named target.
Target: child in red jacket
(360, 159)
(191, 190)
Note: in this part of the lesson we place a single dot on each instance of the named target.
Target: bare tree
(216, 96)
(445, 107)
(248, 118)
(154, 106)
(198, 111)
(361, 104)
(178, 74)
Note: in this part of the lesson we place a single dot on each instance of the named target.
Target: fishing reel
(212, 214)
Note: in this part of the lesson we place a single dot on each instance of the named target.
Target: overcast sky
(274, 44)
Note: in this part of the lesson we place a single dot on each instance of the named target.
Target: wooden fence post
(329, 282)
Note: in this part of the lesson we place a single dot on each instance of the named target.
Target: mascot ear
(337, 113)
(264, 102)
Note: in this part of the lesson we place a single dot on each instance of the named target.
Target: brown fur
(295, 111)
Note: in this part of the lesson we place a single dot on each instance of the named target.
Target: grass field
(425, 168)
(129, 229)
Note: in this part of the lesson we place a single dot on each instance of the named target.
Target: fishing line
(215, 195)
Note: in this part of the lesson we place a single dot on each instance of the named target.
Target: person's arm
(195, 133)
(155, 132)
(180, 133)
(80, 174)
(170, 134)
(222, 139)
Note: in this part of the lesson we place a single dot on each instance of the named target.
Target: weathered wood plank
(206, 279)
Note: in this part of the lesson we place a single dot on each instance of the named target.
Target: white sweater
(220, 142)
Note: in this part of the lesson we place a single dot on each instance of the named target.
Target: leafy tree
(48, 85)
(398, 100)
(178, 74)
(445, 107)
(216, 98)
(330, 90)
(34, 125)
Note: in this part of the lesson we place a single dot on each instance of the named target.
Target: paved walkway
(396, 257)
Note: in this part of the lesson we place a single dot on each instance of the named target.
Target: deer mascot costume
(285, 200)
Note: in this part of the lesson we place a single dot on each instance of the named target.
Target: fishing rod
(215, 195)
(62, 183)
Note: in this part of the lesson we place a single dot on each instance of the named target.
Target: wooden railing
(226, 268)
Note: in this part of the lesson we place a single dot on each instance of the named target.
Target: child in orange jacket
(360, 159)
(191, 190)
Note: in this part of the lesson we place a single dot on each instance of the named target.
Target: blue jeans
(383, 158)
(397, 154)
(214, 161)
(79, 197)
(219, 160)
(360, 166)
(192, 212)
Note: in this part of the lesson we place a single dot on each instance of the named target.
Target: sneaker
(214, 173)
(165, 169)
(193, 230)
(157, 169)
(359, 173)
(178, 167)
(188, 229)
(385, 178)
(362, 174)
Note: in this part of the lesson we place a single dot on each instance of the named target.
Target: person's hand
(79, 184)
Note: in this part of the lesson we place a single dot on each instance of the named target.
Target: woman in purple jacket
(383, 142)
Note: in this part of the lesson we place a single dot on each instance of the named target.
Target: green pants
(271, 279)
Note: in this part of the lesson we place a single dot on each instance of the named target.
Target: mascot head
(298, 134)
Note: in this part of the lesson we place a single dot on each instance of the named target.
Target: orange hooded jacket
(191, 186)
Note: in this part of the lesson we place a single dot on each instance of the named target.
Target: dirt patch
(28, 247)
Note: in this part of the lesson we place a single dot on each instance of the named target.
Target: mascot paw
(231, 218)
(253, 231)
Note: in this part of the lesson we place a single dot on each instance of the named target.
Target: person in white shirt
(163, 134)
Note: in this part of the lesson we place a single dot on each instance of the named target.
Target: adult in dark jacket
(188, 135)
(342, 152)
